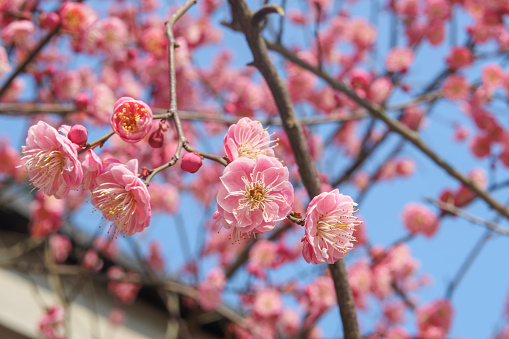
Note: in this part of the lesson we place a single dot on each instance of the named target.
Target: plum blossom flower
(60, 247)
(123, 198)
(248, 139)
(436, 315)
(329, 226)
(268, 303)
(255, 195)
(419, 219)
(399, 59)
(51, 161)
(131, 119)
(18, 32)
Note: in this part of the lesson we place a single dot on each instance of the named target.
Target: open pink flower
(123, 198)
(247, 138)
(60, 246)
(18, 32)
(419, 219)
(399, 59)
(268, 303)
(51, 161)
(255, 195)
(131, 119)
(330, 224)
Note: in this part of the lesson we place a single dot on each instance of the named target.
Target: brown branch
(470, 217)
(26, 108)
(29, 59)
(242, 18)
(395, 126)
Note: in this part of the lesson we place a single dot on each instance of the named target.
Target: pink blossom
(268, 303)
(414, 117)
(360, 279)
(361, 180)
(191, 162)
(116, 316)
(399, 59)
(103, 99)
(153, 40)
(131, 119)
(124, 291)
(456, 87)
(459, 57)
(360, 32)
(92, 167)
(321, 294)
(209, 296)
(60, 247)
(123, 198)
(329, 226)
(5, 67)
(164, 197)
(419, 219)
(108, 247)
(437, 10)
(297, 17)
(397, 332)
(289, 322)
(437, 314)
(492, 75)
(18, 32)
(435, 32)
(49, 20)
(66, 85)
(254, 196)
(51, 323)
(78, 134)
(46, 215)
(91, 261)
(114, 34)
(380, 90)
(76, 17)
(261, 257)
(461, 133)
(395, 312)
(51, 161)
(155, 257)
(405, 167)
(247, 138)
(481, 145)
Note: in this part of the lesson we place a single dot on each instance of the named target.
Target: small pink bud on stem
(191, 162)
(78, 134)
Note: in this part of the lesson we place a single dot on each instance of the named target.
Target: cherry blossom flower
(18, 32)
(51, 323)
(456, 87)
(399, 59)
(91, 261)
(248, 139)
(459, 57)
(329, 226)
(255, 195)
(123, 198)
(419, 219)
(268, 303)
(51, 161)
(437, 314)
(131, 119)
(60, 247)
(124, 291)
(76, 17)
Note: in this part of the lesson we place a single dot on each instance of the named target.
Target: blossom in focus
(131, 119)
(329, 226)
(51, 161)
(419, 219)
(247, 138)
(255, 195)
(123, 198)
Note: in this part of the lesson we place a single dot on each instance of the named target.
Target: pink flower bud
(81, 100)
(156, 139)
(78, 134)
(49, 20)
(191, 162)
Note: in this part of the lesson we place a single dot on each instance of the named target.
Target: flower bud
(78, 134)
(191, 162)
(156, 139)
(49, 20)
(81, 100)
